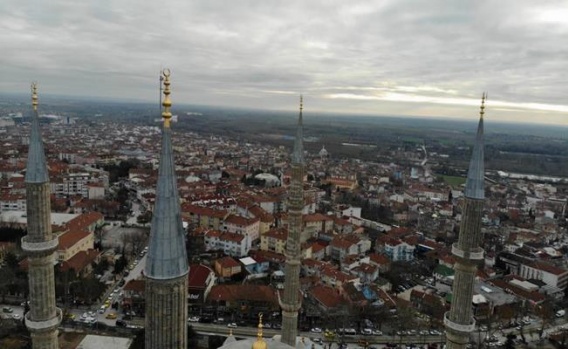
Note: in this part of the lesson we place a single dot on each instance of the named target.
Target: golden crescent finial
(167, 102)
(34, 95)
(482, 109)
(259, 335)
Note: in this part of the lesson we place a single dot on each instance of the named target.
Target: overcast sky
(385, 57)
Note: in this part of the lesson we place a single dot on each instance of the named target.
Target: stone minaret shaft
(40, 244)
(459, 320)
(290, 302)
(166, 266)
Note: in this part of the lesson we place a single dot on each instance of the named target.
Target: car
(317, 341)
(377, 333)
(193, 319)
(116, 290)
(316, 330)
(232, 325)
(70, 316)
(483, 328)
(16, 316)
(366, 331)
(84, 316)
(120, 323)
(121, 283)
(101, 310)
(111, 316)
(7, 310)
(91, 314)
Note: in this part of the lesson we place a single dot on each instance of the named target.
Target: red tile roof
(227, 262)
(247, 292)
(198, 274)
(135, 285)
(70, 238)
(326, 296)
(80, 260)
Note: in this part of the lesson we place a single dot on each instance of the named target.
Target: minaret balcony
(44, 246)
(466, 328)
(474, 254)
(46, 324)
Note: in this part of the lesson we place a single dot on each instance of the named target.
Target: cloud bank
(384, 57)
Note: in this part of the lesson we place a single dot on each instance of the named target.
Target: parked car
(232, 325)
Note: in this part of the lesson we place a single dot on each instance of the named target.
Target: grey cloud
(245, 51)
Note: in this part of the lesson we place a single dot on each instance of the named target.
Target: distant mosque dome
(192, 179)
(271, 180)
(323, 152)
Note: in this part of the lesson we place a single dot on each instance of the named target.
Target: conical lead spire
(167, 257)
(298, 154)
(474, 187)
(36, 169)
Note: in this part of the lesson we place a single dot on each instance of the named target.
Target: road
(252, 331)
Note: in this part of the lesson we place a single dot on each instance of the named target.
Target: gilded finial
(34, 95)
(259, 334)
(259, 343)
(482, 109)
(167, 102)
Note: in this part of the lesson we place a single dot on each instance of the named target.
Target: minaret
(459, 320)
(40, 244)
(290, 302)
(166, 265)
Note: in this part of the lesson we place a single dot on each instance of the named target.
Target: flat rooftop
(92, 341)
(19, 217)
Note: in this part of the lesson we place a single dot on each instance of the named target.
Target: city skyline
(383, 58)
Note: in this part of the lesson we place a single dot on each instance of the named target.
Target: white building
(232, 244)
(549, 274)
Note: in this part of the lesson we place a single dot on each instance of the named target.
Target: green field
(453, 180)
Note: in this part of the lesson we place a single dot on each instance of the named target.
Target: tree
(120, 264)
(11, 260)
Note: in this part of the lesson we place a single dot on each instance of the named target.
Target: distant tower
(290, 302)
(323, 153)
(40, 244)
(459, 320)
(166, 265)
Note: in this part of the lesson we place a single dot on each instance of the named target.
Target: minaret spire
(166, 265)
(40, 244)
(298, 153)
(459, 320)
(36, 169)
(290, 301)
(474, 187)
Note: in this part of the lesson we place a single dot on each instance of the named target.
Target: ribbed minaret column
(166, 267)
(459, 320)
(290, 302)
(39, 244)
